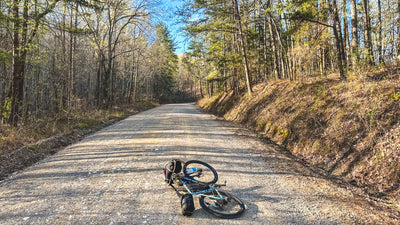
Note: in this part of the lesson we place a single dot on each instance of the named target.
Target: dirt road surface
(115, 177)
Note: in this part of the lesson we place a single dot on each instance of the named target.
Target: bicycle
(199, 179)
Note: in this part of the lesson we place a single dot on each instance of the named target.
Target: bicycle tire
(229, 209)
(208, 175)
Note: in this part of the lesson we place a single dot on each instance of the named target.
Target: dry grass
(33, 131)
(351, 129)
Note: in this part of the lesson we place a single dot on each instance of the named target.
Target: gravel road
(115, 177)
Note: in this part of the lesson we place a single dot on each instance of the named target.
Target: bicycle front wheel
(200, 171)
(222, 204)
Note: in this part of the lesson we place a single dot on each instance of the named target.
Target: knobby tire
(234, 204)
(211, 172)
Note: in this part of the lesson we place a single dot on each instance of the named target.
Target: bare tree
(242, 44)
(107, 29)
(354, 33)
(367, 33)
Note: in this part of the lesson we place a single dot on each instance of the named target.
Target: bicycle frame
(200, 181)
(198, 194)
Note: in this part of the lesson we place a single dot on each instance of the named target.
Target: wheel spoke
(200, 171)
(222, 204)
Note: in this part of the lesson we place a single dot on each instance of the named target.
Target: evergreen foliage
(292, 40)
(166, 65)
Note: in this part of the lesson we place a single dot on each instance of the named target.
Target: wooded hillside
(350, 129)
(319, 77)
(235, 44)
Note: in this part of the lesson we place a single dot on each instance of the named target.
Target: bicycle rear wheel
(200, 171)
(222, 204)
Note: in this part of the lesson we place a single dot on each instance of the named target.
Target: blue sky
(172, 21)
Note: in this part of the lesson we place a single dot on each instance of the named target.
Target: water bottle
(191, 170)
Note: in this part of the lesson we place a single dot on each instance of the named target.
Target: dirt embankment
(28, 155)
(349, 129)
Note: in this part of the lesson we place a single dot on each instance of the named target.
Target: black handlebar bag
(174, 166)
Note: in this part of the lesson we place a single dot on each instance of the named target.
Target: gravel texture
(115, 177)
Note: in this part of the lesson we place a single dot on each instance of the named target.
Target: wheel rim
(203, 173)
(226, 207)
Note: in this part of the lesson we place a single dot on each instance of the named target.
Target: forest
(57, 56)
(60, 56)
(66, 64)
(240, 43)
(68, 61)
(319, 78)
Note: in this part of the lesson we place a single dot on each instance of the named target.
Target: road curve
(115, 177)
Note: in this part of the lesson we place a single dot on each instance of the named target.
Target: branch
(124, 52)
(306, 16)
(39, 17)
(318, 22)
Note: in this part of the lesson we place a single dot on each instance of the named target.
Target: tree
(197, 61)
(282, 39)
(307, 14)
(62, 53)
(379, 36)
(108, 26)
(25, 29)
(165, 64)
(398, 28)
(273, 41)
(339, 41)
(222, 20)
(242, 44)
(367, 33)
(354, 32)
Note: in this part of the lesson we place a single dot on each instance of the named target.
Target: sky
(168, 16)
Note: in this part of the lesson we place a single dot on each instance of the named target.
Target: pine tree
(165, 65)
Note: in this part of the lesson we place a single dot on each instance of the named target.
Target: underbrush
(12, 138)
(349, 128)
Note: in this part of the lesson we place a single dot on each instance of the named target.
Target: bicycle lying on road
(199, 179)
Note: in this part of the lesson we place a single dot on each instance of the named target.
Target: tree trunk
(135, 81)
(367, 33)
(274, 49)
(354, 32)
(266, 77)
(111, 92)
(106, 83)
(345, 29)
(70, 64)
(200, 85)
(243, 46)
(18, 68)
(72, 49)
(132, 80)
(100, 81)
(64, 74)
(398, 29)
(224, 69)
(379, 44)
(339, 40)
(234, 84)
(24, 39)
